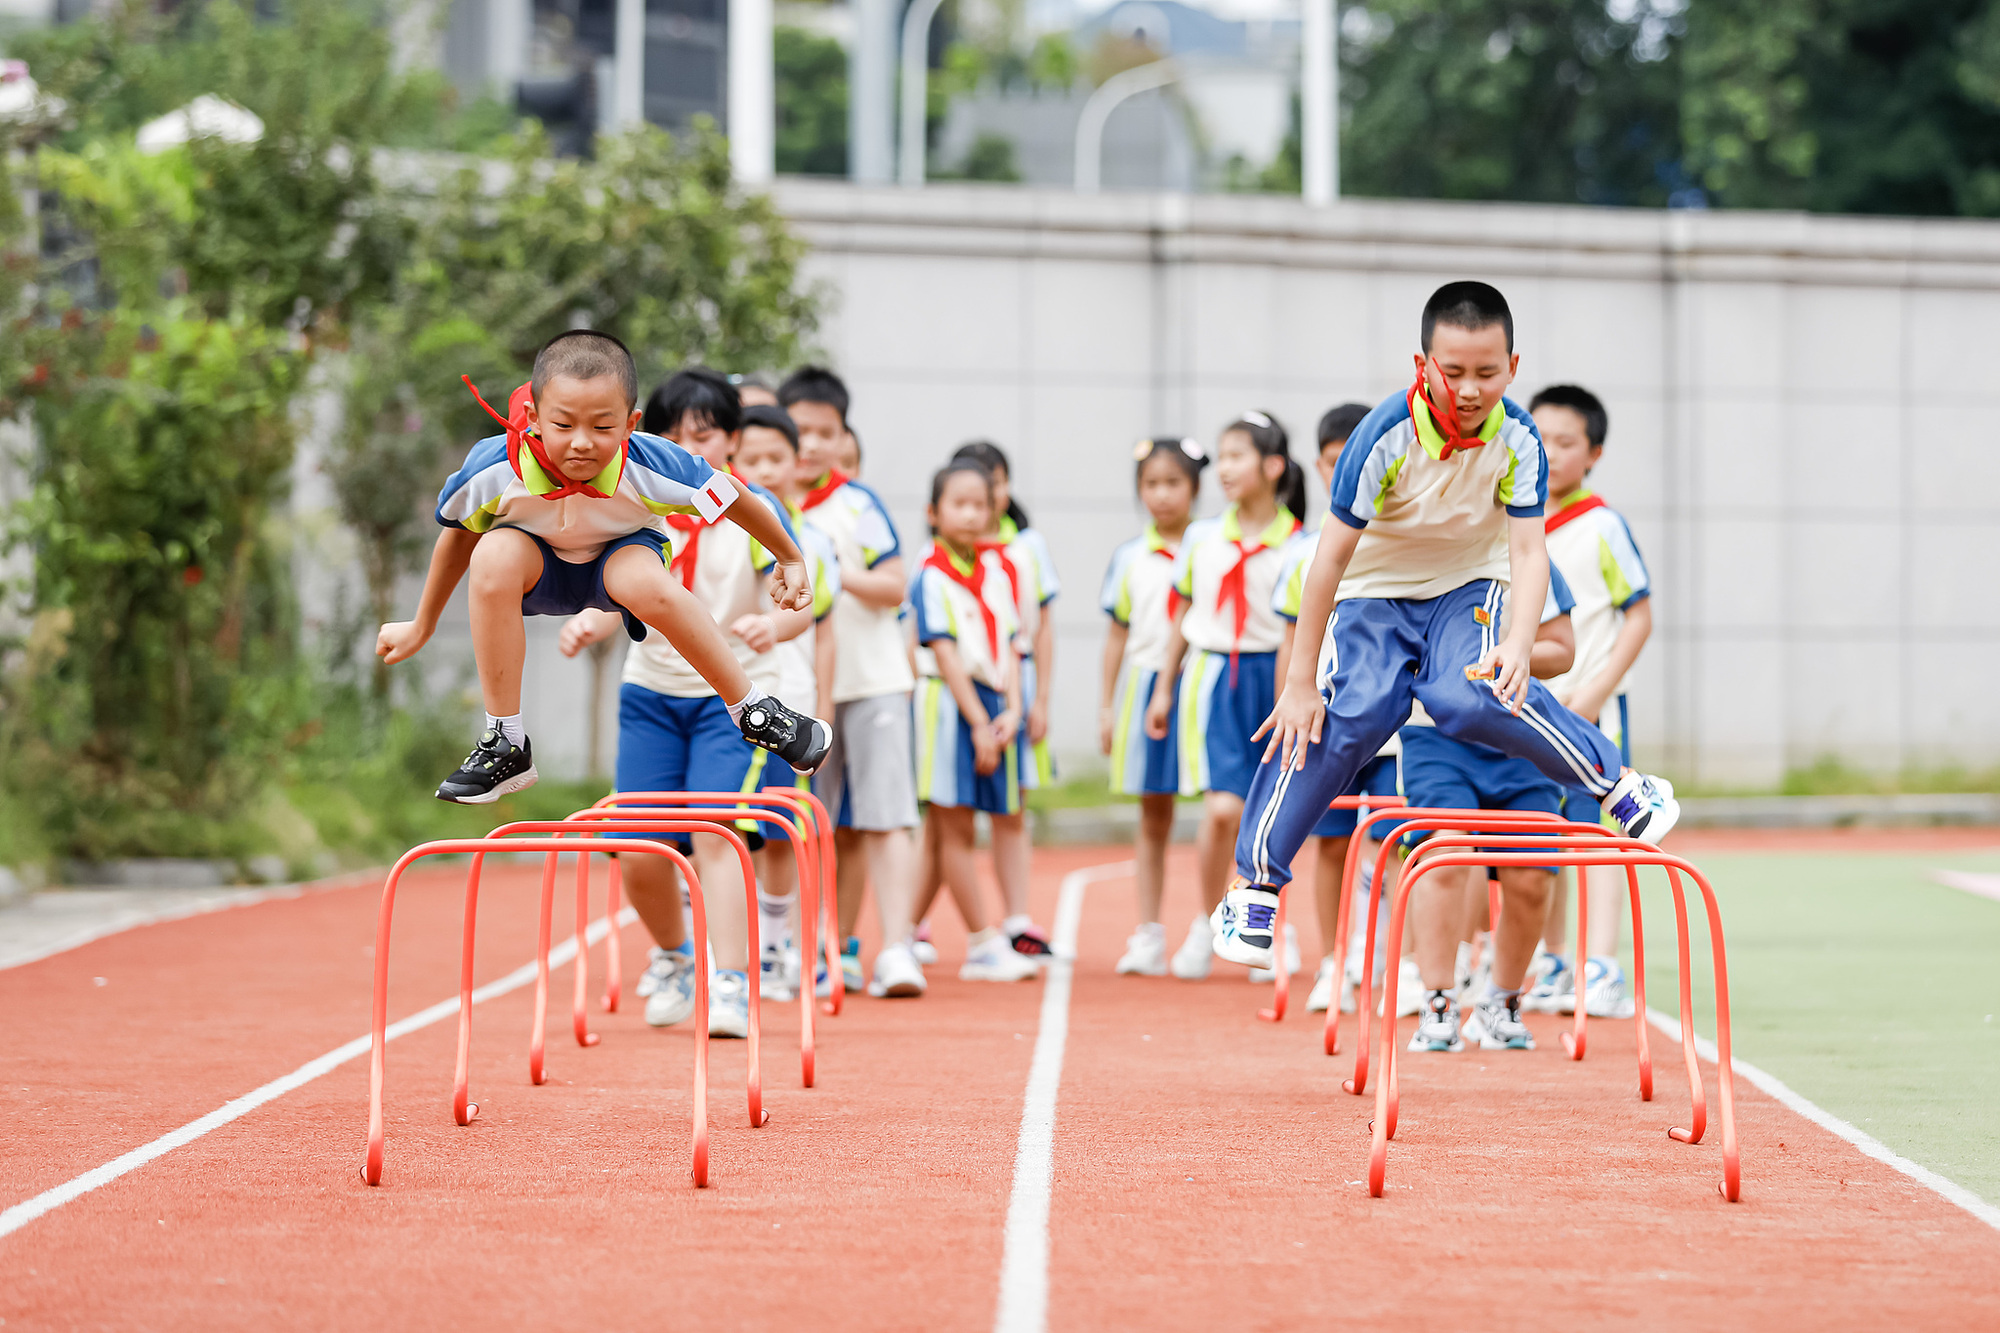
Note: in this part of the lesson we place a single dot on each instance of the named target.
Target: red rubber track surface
(1522, 1183)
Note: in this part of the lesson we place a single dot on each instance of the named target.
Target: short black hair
(773, 418)
(815, 384)
(1339, 422)
(1467, 305)
(986, 454)
(952, 469)
(585, 354)
(706, 395)
(1596, 421)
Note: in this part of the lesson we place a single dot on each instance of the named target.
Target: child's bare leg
(654, 891)
(850, 878)
(930, 876)
(1524, 901)
(1149, 852)
(1010, 860)
(1215, 845)
(892, 864)
(722, 893)
(952, 826)
(1609, 902)
(1326, 889)
(1557, 924)
(506, 566)
(638, 581)
(1437, 912)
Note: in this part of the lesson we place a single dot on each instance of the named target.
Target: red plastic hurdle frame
(1627, 853)
(822, 851)
(1282, 983)
(463, 1109)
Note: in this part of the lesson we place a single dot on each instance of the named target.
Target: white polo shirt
(947, 609)
(870, 655)
(798, 679)
(1138, 593)
(1210, 552)
(1592, 545)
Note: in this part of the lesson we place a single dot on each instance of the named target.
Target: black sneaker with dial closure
(496, 767)
(798, 739)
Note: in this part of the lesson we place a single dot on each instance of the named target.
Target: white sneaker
(1496, 1025)
(1293, 963)
(990, 956)
(670, 999)
(661, 964)
(1243, 922)
(1322, 991)
(1551, 985)
(1461, 965)
(773, 980)
(728, 1003)
(1409, 991)
(1145, 952)
(1440, 1030)
(923, 950)
(896, 973)
(1196, 955)
(1642, 807)
(1604, 989)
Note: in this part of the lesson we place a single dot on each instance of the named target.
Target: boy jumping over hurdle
(1439, 494)
(566, 512)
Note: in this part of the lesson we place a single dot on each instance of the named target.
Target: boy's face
(820, 433)
(1328, 460)
(1569, 449)
(765, 458)
(963, 511)
(706, 440)
(583, 423)
(1469, 369)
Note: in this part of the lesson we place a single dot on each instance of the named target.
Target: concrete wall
(1796, 432)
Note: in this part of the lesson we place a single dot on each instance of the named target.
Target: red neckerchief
(974, 583)
(832, 482)
(516, 425)
(1174, 599)
(1571, 511)
(1006, 563)
(1232, 591)
(693, 525)
(1446, 422)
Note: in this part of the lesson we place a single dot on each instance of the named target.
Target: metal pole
(630, 55)
(1319, 101)
(1098, 108)
(914, 144)
(753, 110)
(871, 110)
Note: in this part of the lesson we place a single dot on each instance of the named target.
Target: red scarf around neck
(832, 482)
(689, 554)
(1174, 599)
(974, 583)
(1233, 590)
(1446, 421)
(515, 423)
(1572, 511)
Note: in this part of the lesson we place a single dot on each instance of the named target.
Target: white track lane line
(1024, 1265)
(1986, 886)
(49, 1200)
(1833, 1124)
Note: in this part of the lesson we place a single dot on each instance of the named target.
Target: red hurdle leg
(1640, 1031)
(463, 1108)
(1697, 1099)
(580, 1008)
(1281, 974)
(614, 953)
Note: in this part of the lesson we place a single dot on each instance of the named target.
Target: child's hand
(1507, 666)
(791, 589)
(985, 750)
(1294, 724)
(757, 633)
(1107, 729)
(1006, 727)
(1038, 718)
(585, 628)
(1587, 702)
(399, 642)
(1157, 709)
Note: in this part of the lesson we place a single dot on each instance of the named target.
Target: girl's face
(765, 458)
(964, 510)
(1166, 490)
(1242, 470)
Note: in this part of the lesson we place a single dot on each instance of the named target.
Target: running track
(1205, 1165)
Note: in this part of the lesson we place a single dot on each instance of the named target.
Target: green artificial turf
(1868, 988)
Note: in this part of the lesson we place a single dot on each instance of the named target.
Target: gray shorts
(869, 780)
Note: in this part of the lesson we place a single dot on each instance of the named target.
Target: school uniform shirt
(1226, 578)
(725, 569)
(870, 656)
(1139, 594)
(651, 479)
(974, 607)
(798, 678)
(1433, 521)
(1592, 545)
(1035, 569)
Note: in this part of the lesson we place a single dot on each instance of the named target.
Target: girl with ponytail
(1224, 577)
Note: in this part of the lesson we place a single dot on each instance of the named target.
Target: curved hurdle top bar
(1385, 1105)
(371, 1170)
(1281, 991)
(776, 797)
(558, 828)
(621, 817)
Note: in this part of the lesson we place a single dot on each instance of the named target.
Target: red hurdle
(1282, 985)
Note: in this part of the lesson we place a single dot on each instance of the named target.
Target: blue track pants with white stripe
(1386, 652)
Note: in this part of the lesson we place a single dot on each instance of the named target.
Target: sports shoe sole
(991, 972)
(1475, 1031)
(1419, 1046)
(822, 747)
(902, 990)
(505, 787)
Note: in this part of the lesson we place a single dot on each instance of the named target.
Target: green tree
(811, 74)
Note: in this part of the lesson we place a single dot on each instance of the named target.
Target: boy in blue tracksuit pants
(1439, 498)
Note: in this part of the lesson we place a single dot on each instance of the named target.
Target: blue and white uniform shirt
(1138, 593)
(947, 609)
(870, 658)
(1592, 545)
(1222, 573)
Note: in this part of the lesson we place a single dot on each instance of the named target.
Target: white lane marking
(1024, 1265)
(1986, 886)
(49, 1200)
(1868, 1144)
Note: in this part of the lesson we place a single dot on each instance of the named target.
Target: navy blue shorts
(1222, 703)
(566, 588)
(668, 743)
(1381, 777)
(1463, 775)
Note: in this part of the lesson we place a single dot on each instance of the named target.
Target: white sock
(736, 709)
(776, 917)
(510, 727)
(1017, 923)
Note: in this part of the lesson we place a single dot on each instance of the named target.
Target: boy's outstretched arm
(1300, 713)
(791, 586)
(1528, 569)
(400, 640)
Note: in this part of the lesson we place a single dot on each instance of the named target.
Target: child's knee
(505, 562)
(635, 574)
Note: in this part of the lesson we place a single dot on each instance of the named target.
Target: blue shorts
(1140, 765)
(1218, 716)
(946, 774)
(1382, 777)
(668, 743)
(1462, 775)
(566, 588)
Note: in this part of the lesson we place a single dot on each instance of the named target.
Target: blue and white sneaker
(1242, 923)
(1642, 807)
(1603, 990)
(1551, 984)
(777, 978)
(670, 998)
(1496, 1025)
(851, 975)
(728, 1003)
(1438, 1031)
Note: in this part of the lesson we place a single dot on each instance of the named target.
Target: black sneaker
(496, 767)
(799, 740)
